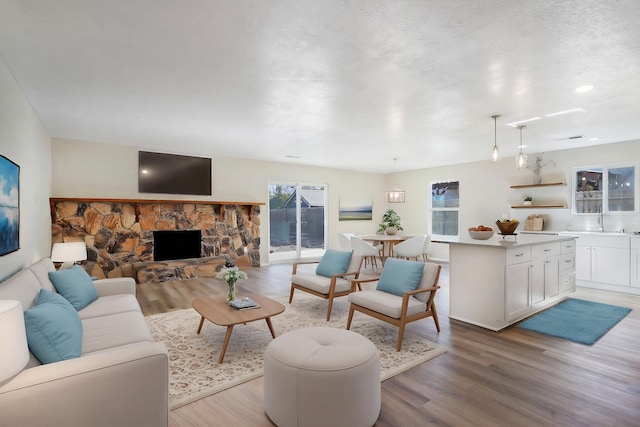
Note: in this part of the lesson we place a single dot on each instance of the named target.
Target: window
(445, 202)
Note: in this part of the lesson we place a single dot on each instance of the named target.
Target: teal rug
(580, 321)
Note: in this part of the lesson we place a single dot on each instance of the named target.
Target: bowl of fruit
(507, 226)
(480, 232)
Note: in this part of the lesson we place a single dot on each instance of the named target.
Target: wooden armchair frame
(430, 310)
(332, 289)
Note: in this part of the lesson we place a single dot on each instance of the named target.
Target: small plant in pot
(528, 201)
(390, 222)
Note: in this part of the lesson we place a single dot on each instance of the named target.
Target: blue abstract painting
(9, 206)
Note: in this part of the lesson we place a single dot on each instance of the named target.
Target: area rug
(194, 371)
(580, 321)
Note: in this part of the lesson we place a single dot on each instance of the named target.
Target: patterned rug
(194, 371)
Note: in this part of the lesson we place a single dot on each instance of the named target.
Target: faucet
(600, 219)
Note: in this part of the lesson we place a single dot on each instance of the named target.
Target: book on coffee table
(246, 303)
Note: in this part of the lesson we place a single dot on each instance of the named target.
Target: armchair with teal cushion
(403, 294)
(331, 279)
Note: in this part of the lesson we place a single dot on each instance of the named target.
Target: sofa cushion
(22, 286)
(333, 262)
(386, 303)
(41, 269)
(320, 283)
(400, 276)
(111, 304)
(54, 329)
(75, 285)
(114, 330)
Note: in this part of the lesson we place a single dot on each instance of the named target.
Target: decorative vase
(231, 294)
(391, 231)
(537, 178)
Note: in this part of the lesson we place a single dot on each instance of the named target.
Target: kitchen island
(496, 282)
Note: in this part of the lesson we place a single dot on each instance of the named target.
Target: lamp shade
(68, 253)
(65, 252)
(14, 352)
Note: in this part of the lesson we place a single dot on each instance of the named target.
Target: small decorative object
(390, 223)
(507, 226)
(230, 274)
(528, 201)
(534, 222)
(536, 166)
(480, 232)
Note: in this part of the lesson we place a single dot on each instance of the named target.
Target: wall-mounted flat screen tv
(173, 174)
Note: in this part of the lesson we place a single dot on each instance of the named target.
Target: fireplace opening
(176, 244)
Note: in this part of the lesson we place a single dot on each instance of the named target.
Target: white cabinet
(494, 284)
(607, 189)
(603, 260)
(635, 262)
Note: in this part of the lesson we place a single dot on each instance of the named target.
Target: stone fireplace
(119, 234)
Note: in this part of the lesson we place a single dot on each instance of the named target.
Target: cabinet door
(538, 279)
(583, 263)
(552, 277)
(517, 284)
(635, 268)
(610, 265)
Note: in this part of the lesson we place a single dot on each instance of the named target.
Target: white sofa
(120, 379)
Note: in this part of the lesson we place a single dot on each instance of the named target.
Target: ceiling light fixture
(521, 158)
(495, 153)
(396, 195)
(595, 138)
(583, 89)
(519, 122)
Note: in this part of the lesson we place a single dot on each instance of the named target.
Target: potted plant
(390, 223)
(528, 201)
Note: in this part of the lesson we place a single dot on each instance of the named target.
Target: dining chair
(425, 248)
(405, 292)
(345, 241)
(369, 252)
(410, 248)
(331, 279)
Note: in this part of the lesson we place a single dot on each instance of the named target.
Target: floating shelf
(549, 184)
(539, 207)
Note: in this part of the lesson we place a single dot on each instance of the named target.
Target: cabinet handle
(519, 255)
(568, 261)
(547, 250)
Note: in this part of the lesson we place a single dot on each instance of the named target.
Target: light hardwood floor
(508, 378)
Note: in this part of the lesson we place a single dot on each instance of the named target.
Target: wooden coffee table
(217, 310)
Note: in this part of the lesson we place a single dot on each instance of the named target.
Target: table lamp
(14, 352)
(68, 253)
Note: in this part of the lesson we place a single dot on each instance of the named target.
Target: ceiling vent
(576, 137)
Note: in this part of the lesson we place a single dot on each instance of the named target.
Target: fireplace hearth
(176, 244)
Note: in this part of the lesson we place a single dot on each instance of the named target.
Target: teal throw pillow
(75, 285)
(400, 276)
(333, 262)
(54, 329)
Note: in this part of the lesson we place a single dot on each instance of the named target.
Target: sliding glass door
(297, 225)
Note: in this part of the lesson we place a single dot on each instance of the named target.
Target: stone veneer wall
(120, 234)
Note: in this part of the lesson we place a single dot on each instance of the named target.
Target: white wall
(485, 192)
(25, 141)
(97, 170)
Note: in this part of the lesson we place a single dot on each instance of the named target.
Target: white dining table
(387, 241)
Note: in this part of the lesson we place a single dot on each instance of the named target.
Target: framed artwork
(9, 206)
(355, 211)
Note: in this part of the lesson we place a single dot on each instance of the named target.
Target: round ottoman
(322, 377)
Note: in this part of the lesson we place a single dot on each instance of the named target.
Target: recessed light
(293, 157)
(515, 124)
(583, 89)
(559, 113)
(594, 139)
(144, 171)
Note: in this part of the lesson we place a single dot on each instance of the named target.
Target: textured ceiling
(347, 84)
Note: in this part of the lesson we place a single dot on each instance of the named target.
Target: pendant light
(396, 195)
(521, 158)
(495, 154)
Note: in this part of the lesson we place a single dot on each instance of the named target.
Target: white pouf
(318, 377)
